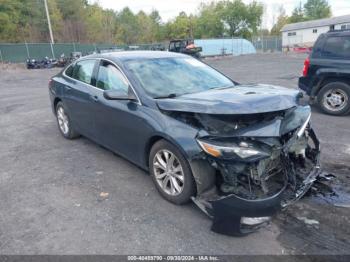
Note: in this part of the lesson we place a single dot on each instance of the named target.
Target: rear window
(337, 47)
(83, 70)
(69, 71)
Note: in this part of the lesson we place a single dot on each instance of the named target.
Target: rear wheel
(64, 123)
(334, 98)
(171, 173)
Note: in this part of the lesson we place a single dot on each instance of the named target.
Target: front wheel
(171, 173)
(334, 98)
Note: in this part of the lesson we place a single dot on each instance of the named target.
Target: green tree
(255, 12)
(157, 28)
(56, 21)
(317, 9)
(180, 27)
(74, 20)
(297, 15)
(146, 28)
(9, 20)
(22, 22)
(209, 22)
(282, 20)
(240, 18)
(81, 21)
(127, 27)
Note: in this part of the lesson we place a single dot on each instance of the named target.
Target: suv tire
(334, 98)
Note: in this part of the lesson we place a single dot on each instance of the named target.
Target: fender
(325, 73)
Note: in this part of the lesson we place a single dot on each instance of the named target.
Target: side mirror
(119, 95)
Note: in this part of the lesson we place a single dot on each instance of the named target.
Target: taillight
(306, 66)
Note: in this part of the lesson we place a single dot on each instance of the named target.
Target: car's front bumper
(227, 211)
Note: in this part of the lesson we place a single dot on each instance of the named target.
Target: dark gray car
(240, 152)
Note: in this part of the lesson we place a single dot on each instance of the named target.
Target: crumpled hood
(241, 99)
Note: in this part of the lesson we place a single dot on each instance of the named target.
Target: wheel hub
(168, 172)
(335, 100)
(62, 120)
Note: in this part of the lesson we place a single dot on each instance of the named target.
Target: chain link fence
(20, 52)
(267, 43)
(16, 53)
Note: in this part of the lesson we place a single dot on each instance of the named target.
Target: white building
(304, 34)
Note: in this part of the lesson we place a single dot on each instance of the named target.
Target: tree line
(81, 21)
(311, 10)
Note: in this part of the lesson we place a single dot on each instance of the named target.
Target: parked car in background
(240, 152)
(62, 60)
(326, 73)
(185, 46)
(74, 56)
(39, 64)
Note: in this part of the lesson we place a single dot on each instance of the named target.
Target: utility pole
(49, 21)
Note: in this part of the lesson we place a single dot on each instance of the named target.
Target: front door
(118, 123)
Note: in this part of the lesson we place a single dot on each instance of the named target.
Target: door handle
(94, 98)
(68, 87)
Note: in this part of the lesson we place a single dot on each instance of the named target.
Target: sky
(168, 9)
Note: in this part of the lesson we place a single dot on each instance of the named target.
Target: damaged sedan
(241, 153)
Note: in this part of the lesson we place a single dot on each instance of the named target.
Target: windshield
(163, 77)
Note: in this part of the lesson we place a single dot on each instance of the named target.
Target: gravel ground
(50, 187)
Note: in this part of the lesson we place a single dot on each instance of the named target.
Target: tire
(340, 104)
(182, 176)
(65, 124)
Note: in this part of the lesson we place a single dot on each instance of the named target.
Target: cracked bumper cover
(227, 211)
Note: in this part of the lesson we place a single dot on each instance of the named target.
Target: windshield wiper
(172, 95)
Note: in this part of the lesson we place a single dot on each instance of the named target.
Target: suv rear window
(337, 47)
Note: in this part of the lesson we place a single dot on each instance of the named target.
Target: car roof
(338, 33)
(121, 56)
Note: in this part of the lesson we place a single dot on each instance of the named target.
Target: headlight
(242, 149)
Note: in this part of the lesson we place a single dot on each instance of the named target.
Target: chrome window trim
(99, 59)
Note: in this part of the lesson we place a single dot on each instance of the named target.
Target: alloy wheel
(168, 172)
(63, 121)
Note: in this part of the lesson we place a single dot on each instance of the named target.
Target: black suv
(326, 73)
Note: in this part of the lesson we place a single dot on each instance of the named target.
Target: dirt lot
(50, 187)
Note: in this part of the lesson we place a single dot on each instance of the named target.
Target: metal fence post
(27, 49)
(53, 53)
(276, 43)
(232, 45)
(241, 46)
(1, 59)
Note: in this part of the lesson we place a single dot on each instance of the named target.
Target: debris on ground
(104, 194)
(308, 221)
(331, 191)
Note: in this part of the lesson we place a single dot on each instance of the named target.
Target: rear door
(332, 53)
(78, 97)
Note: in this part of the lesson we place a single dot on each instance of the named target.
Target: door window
(109, 77)
(83, 71)
(337, 47)
(69, 71)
